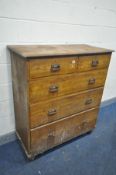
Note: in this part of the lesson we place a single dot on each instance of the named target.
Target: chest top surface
(36, 51)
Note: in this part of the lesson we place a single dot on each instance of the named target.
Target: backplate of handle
(88, 101)
(52, 112)
(91, 81)
(53, 88)
(55, 67)
(94, 63)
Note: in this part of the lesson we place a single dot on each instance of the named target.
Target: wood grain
(66, 84)
(92, 62)
(36, 51)
(72, 64)
(50, 135)
(20, 95)
(63, 106)
(43, 67)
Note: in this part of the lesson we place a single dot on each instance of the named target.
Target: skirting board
(108, 102)
(12, 136)
(8, 138)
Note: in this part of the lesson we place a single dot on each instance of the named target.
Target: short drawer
(51, 110)
(52, 87)
(48, 136)
(43, 67)
(52, 66)
(93, 62)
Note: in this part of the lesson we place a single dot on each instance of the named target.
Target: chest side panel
(20, 95)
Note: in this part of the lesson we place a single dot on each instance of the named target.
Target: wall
(53, 21)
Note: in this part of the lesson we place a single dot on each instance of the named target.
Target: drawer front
(51, 110)
(63, 65)
(50, 135)
(52, 87)
(46, 67)
(93, 62)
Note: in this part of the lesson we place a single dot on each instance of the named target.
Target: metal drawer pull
(53, 88)
(55, 67)
(52, 112)
(91, 81)
(94, 63)
(89, 101)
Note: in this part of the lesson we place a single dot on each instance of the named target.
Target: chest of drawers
(57, 92)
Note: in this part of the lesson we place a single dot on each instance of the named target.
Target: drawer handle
(53, 88)
(55, 67)
(94, 63)
(91, 81)
(52, 112)
(89, 101)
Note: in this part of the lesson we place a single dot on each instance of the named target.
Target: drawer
(62, 65)
(93, 62)
(48, 136)
(52, 66)
(52, 87)
(51, 110)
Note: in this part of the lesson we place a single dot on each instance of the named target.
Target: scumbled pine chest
(57, 92)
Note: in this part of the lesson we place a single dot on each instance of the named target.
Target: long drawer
(51, 110)
(67, 64)
(48, 136)
(52, 87)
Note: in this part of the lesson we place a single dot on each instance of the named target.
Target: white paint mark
(73, 61)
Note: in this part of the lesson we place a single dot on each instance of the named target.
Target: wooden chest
(57, 92)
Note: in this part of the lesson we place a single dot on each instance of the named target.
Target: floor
(91, 154)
